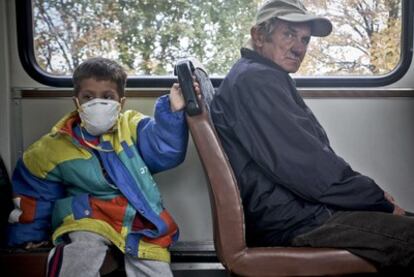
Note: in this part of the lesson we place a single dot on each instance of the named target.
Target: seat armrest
(298, 261)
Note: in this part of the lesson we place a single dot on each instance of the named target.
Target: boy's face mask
(99, 115)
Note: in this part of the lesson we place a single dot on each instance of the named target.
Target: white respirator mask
(99, 115)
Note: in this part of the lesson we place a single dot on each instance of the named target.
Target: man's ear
(258, 38)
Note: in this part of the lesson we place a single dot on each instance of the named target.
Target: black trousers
(386, 240)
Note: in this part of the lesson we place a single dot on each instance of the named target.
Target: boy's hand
(177, 102)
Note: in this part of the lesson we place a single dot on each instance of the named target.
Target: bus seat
(23, 263)
(19, 262)
(228, 217)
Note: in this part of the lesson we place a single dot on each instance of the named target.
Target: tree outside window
(148, 37)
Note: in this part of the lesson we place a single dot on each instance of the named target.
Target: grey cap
(293, 11)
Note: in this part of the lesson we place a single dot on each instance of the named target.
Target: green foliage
(148, 37)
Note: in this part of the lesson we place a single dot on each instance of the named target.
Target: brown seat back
(228, 221)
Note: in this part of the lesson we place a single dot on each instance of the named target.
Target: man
(295, 189)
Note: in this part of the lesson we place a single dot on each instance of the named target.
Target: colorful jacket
(60, 184)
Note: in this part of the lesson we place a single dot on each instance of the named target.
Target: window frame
(24, 20)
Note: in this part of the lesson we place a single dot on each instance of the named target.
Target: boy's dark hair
(101, 69)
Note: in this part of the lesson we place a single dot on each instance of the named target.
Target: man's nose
(299, 48)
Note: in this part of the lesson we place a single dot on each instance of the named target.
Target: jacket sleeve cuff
(20, 233)
(163, 110)
(388, 206)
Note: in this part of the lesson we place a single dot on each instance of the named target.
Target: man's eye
(306, 41)
(109, 97)
(289, 35)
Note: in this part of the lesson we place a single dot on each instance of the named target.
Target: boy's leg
(385, 239)
(146, 268)
(82, 256)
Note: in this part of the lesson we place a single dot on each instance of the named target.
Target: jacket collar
(65, 124)
(253, 55)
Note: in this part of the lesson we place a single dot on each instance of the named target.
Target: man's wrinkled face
(286, 46)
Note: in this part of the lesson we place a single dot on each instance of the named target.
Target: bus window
(366, 38)
(147, 37)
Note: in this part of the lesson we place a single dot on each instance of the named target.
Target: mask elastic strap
(78, 105)
(93, 146)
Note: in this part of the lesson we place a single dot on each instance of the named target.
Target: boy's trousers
(84, 256)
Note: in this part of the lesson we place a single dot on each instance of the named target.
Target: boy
(89, 180)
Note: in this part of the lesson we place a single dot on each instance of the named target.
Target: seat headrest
(184, 69)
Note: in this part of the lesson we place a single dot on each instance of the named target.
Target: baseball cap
(293, 11)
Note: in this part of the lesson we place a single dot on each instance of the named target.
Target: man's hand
(389, 197)
(177, 101)
(397, 209)
(33, 245)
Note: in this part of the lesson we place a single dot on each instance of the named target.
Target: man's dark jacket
(290, 179)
